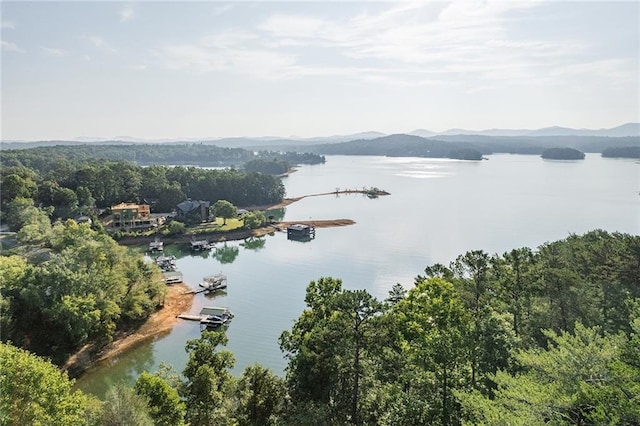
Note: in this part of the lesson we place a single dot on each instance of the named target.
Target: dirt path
(159, 323)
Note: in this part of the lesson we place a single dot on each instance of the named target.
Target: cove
(437, 210)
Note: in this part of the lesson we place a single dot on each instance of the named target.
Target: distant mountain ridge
(627, 129)
(624, 130)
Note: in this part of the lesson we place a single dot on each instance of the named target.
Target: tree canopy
(542, 336)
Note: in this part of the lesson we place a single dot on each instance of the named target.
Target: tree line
(67, 189)
(189, 154)
(546, 336)
(67, 285)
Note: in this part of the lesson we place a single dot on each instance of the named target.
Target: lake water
(437, 210)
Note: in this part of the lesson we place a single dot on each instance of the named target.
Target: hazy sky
(214, 69)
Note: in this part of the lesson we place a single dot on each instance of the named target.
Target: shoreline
(177, 300)
(241, 234)
(161, 322)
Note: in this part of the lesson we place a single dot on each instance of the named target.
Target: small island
(562, 154)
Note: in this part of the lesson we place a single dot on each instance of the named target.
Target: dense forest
(148, 154)
(67, 285)
(533, 336)
(469, 147)
(545, 336)
(69, 188)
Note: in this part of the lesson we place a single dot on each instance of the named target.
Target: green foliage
(209, 383)
(579, 379)
(16, 186)
(84, 290)
(74, 182)
(124, 407)
(225, 210)
(261, 397)
(254, 219)
(21, 213)
(338, 374)
(271, 166)
(165, 406)
(529, 337)
(436, 331)
(176, 228)
(34, 392)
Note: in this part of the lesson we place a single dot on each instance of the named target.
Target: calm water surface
(437, 210)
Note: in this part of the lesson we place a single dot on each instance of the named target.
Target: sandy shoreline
(176, 302)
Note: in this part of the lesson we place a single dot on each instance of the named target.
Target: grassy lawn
(232, 224)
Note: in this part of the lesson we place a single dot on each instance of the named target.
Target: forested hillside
(205, 155)
(542, 336)
(68, 187)
(472, 146)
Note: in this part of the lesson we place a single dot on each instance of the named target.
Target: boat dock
(301, 232)
(199, 245)
(156, 245)
(166, 263)
(172, 277)
(210, 317)
(214, 282)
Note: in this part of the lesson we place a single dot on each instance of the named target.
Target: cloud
(50, 51)
(127, 13)
(99, 43)
(232, 51)
(217, 11)
(463, 43)
(10, 46)
(8, 24)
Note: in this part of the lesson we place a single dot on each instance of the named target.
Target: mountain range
(624, 130)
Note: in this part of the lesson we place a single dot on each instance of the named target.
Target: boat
(156, 245)
(166, 263)
(172, 277)
(215, 316)
(214, 282)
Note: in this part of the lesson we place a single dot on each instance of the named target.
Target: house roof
(190, 205)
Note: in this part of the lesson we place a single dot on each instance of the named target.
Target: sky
(207, 69)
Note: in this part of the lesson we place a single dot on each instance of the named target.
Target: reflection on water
(112, 371)
(226, 253)
(254, 243)
(276, 215)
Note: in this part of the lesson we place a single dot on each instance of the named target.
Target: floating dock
(214, 282)
(166, 263)
(172, 277)
(210, 317)
(301, 232)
